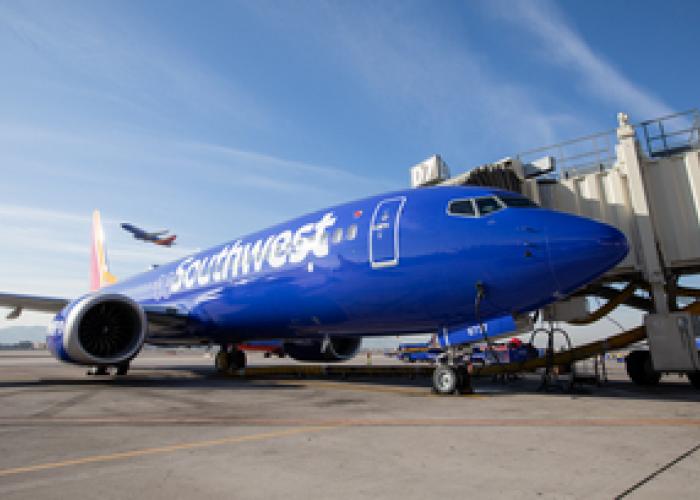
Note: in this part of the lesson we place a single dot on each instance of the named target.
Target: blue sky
(214, 119)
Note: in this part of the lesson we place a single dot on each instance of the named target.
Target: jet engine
(103, 329)
(331, 349)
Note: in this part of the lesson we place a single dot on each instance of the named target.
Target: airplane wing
(162, 232)
(32, 302)
(160, 319)
(136, 231)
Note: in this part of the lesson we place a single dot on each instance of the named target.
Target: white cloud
(213, 162)
(560, 44)
(451, 87)
(135, 67)
(310, 173)
(25, 213)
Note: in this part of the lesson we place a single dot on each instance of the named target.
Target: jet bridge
(644, 179)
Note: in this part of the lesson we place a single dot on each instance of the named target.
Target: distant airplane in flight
(153, 237)
(461, 262)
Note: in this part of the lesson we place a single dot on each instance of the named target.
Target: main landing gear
(229, 360)
(122, 369)
(451, 375)
(97, 370)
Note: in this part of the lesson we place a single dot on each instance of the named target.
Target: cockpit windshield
(479, 207)
(465, 208)
(518, 202)
(488, 205)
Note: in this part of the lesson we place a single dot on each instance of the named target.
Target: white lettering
(260, 251)
(180, 275)
(280, 249)
(236, 259)
(320, 243)
(244, 261)
(191, 274)
(203, 271)
(218, 262)
(234, 253)
(301, 243)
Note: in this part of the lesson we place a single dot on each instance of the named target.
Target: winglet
(99, 268)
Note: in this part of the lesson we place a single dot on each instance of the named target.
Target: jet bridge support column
(629, 159)
(671, 334)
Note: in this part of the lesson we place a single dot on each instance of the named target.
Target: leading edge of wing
(31, 302)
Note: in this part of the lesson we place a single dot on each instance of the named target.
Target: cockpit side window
(488, 205)
(462, 208)
(518, 202)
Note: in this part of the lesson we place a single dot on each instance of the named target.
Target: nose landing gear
(451, 375)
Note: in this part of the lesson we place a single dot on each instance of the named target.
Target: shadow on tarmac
(198, 377)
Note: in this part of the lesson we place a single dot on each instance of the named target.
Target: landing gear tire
(123, 369)
(445, 380)
(221, 361)
(236, 360)
(97, 370)
(694, 379)
(640, 369)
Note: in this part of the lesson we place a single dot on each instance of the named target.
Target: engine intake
(104, 329)
(332, 349)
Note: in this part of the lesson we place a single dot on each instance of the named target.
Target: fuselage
(402, 262)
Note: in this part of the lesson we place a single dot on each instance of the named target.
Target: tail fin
(166, 242)
(99, 268)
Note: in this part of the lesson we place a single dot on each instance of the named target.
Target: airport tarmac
(172, 429)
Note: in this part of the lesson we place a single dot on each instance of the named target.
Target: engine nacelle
(98, 329)
(331, 349)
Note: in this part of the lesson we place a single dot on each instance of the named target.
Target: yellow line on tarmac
(162, 449)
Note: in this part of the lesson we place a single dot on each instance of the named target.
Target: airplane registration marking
(240, 258)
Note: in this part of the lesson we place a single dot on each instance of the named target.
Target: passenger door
(384, 233)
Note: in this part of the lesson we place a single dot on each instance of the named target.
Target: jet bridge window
(518, 202)
(488, 205)
(463, 208)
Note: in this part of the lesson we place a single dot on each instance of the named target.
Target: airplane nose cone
(581, 250)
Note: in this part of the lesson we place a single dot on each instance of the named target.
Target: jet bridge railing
(662, 137)
(671, 134)
(591, 152)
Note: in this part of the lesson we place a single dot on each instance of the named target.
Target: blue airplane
(462, 262)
